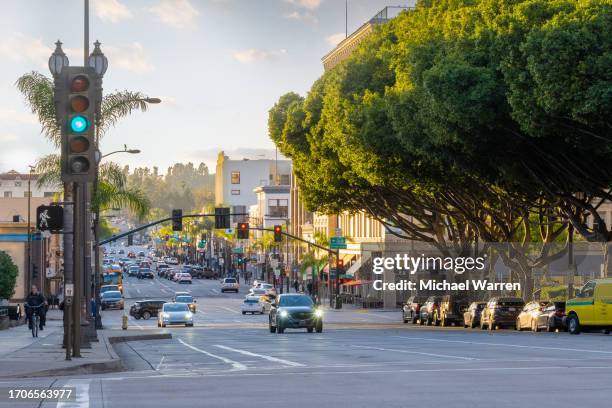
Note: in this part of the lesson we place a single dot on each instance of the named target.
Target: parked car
(185, 297)
(229, 285)
(175, 313)
(552, 317)
(528, 318)
(145, 309)
(410, 309)
(145, 274)
(208, 273)
(430, 311)
(591, 308)
(471, 317)
(500, 312)
(111, 300)
(451, 310)
(183, 278)
(294, 311)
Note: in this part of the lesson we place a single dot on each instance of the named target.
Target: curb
(112, 365)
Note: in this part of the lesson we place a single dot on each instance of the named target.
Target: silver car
(175, 313)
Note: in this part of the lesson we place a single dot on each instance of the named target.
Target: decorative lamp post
(58, 60)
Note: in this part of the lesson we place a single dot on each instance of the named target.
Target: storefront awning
(357, 282)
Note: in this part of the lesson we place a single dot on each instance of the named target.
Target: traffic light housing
(34, 271)
(340, 265)
(243, 230)
(222, 218)
(177, 220)
(78, 95)
(278, 233)
(130, 240)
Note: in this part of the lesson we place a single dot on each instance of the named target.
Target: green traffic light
(79, 124)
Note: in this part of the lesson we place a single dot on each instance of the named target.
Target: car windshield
(295, 301)
(112, 295)
(175, 307)
(231, 280)
(259, 291)
(251, 300)
(184, 299)
(107, 288)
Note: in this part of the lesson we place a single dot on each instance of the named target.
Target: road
(362, 359)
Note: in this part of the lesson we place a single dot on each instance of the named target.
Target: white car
(269, 288)
(175, 313)
(254, 304)
(182, 278)
(229, 285)
(172, 261)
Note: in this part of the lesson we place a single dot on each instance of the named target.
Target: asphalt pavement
(363, 358)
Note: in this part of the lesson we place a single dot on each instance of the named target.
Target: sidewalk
(23, 356)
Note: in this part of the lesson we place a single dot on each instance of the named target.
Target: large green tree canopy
(462, 111)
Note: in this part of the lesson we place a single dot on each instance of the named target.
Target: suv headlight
(283, 313)
(318, 313)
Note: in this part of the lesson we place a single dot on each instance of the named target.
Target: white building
(15, 185)
(237, 180)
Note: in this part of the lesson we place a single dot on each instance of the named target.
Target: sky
(217, 65)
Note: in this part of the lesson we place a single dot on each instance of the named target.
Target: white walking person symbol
(44, 220)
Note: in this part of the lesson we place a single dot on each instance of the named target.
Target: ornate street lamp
(58, 59)
(97, 60)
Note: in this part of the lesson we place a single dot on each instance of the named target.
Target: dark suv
(501, 311)
(145, 309)
(410, 310)
(452, 308)
(430, 311)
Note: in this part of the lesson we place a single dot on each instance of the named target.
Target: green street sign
(337, 243)
(202, 244)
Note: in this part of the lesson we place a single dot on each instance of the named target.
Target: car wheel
(163, 325)
(262, 311)
(549, 327)
(137, 317)
(146, 315)
(272, 329)
(310, 329)
(491, 326)
(605, 331)
(319, 327)
(280, 329)
(573, 325)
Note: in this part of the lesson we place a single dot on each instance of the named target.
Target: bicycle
(35, 318)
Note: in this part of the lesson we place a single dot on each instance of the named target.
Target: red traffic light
(243, 226)
(340, 263)
(278, 233)
(80, 83)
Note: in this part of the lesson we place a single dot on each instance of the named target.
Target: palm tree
(113, 191)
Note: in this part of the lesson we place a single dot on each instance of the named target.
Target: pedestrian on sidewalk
(296, 285)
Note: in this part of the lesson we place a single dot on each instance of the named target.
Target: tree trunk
(607, 260)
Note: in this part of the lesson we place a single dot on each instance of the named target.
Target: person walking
(296, 285)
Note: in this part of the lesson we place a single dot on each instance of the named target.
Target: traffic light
(243, 230)
(222, 218)
(34, 271)
(78, 95)
(130, 240)
(340, 265)
(278, 233)
(177, 220)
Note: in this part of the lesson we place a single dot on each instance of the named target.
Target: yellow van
(591, 308)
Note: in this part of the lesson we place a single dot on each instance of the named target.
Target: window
(235, 177)
(285, 179)
(18, 184)
(278, 208)
(235, 192)
(588, 290)
(8, 194)
(49, 193)
(27, 194)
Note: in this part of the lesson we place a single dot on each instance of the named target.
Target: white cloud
(335, 39)
(252, 55)
(176, 13)
(309, 4)
(131, 57)
(112, 11)
(8, 137)
(11, 115)
(17, 47)
(306, 17)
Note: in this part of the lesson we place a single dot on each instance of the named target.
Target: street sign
(50, 218)
(337, 243)
(69, 290)
(238, 250)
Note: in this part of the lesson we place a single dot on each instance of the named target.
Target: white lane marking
(506, 345)
(214, 291)
(414, 352)
(265, 357)
(82, 394)
(160, 363)
(236, 366)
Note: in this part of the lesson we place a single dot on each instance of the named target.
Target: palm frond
(112, 173)
(120, 104)
(38, 92)
(134, 199)
(49, 171)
